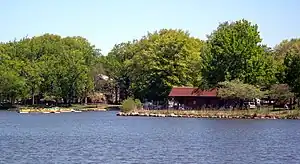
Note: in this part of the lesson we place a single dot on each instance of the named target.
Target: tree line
(47, 67)
(232, 58)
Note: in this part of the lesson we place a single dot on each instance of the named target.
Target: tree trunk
(32, 95)
(12, 100)
(32, 99)
(69, 100)
(65, 100)
(116, 95)
(294, 102)
(85, 100)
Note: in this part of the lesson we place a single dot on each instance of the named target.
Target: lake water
(102, 137)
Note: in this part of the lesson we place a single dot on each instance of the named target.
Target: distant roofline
(183, 87)
(192, 92)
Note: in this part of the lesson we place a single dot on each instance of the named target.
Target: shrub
(138, 104)
(128, 105)
(97, 97)
(293, 114)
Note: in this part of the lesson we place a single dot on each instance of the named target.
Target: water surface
(102, 137)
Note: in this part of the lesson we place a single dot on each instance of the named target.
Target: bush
(97, 97)
(138, 104)
(128, 105)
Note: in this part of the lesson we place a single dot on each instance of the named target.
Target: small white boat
(46, 112)
(65, 111)
(23, 112)
(77, 111)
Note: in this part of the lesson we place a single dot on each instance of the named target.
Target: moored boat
(22, 112)
(65, 111)
(77, 111)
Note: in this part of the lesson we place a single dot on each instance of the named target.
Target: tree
(234, 51)
(164, 58)
(47, 66)
(239, 92)
(235, 89)
(280, 93)
(68, 73)
(29, 51)
(116, 64)
(292, 68)
(12, 84)
(280, 52)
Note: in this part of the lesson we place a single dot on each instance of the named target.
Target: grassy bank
(237, 114)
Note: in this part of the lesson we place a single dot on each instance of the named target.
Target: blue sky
(107, 22)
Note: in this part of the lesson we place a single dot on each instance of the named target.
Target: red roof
(190, 91)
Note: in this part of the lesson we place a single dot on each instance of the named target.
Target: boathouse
(193, 98)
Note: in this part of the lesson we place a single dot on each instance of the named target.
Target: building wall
(202, 102)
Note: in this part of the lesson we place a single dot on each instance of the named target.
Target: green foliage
(292, 71)
(284, 47)
(138, 104)
(12, 84)
(47, 66)
(234, 51)
(149, 67)
(163, 59)
(235, 89)
(97, 97)
(128, 105)
(116, 64)
(52, 67)
(280, 52)
(280, 92)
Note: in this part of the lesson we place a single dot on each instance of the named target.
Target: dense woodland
(68, 69)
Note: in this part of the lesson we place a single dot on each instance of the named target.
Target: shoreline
(75, 108)
(213, 114)
(58, 110)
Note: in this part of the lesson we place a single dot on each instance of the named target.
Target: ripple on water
(101, 137)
